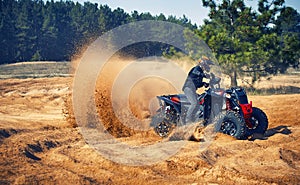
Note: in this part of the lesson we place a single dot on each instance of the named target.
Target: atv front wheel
(231, 123)
(259, 120)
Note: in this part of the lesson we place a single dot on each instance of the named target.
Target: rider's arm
(197, 74)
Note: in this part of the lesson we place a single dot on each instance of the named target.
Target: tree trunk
(233, 79)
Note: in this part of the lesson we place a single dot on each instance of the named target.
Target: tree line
(245, 41)
(33, 30)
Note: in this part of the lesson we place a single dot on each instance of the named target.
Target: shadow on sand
(271, 132)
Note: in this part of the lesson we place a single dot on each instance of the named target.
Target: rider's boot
(205, 122)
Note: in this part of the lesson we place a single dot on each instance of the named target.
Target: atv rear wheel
(259, 121)
(161, 126)
(231, 123)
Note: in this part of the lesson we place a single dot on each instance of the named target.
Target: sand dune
(40, 144)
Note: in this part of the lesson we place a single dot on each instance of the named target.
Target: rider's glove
(206, 75)
(205, 84)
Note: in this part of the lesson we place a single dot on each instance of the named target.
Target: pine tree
(245, 41)
(8, 31)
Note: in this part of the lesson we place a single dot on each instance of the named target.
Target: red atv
(229, 110)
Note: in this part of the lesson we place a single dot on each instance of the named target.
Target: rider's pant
(191, 95)
(207, 109)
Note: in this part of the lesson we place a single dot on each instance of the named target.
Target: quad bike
(228, 109)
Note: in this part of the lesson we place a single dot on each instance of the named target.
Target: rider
(192, 83)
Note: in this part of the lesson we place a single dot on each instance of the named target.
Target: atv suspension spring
(228, 107)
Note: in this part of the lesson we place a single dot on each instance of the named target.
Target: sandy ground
(39, 146)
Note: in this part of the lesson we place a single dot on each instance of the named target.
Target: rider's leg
(207, 109)
(192, 98)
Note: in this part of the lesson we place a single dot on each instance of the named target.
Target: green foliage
(249, 42)
(244, 41)
(195, 45)
(36, 56)
(56, 30)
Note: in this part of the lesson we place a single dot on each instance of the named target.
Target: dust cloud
(126, 91)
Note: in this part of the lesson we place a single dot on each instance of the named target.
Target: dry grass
(35, 70)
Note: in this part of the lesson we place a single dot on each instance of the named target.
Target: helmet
(205, 62)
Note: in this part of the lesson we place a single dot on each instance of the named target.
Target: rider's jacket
(195, 78)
